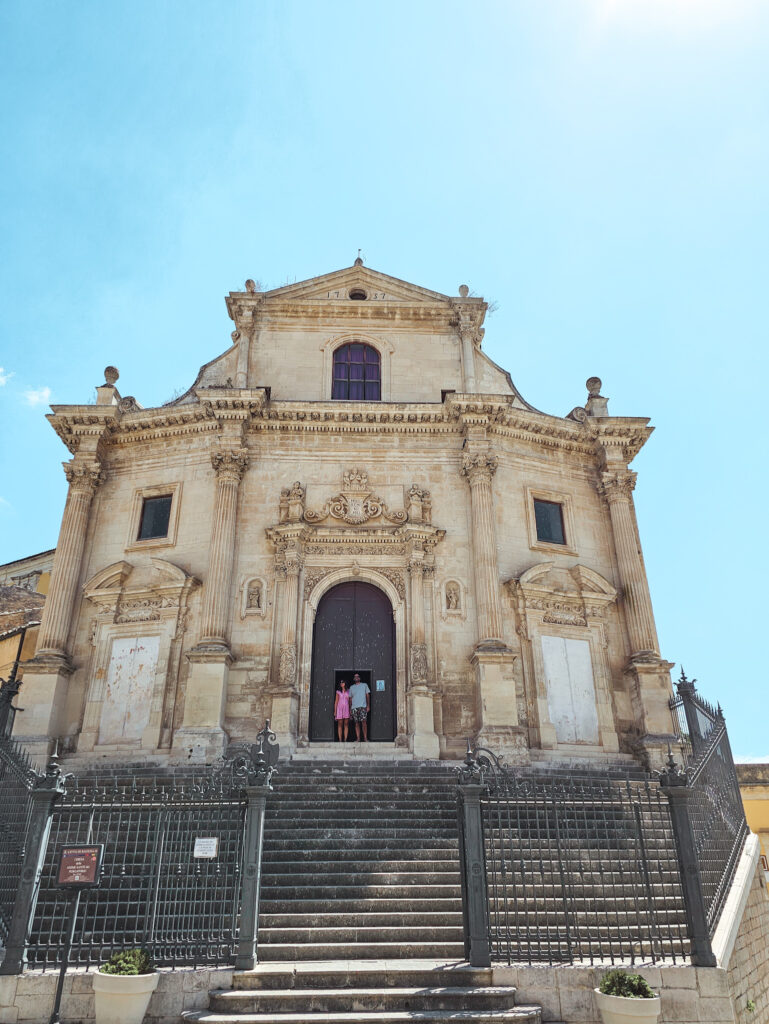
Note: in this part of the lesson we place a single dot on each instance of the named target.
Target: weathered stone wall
(28, 998)
(749, 962)
(688, 995)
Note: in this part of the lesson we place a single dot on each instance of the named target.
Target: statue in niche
(254, 596)
(452, 597)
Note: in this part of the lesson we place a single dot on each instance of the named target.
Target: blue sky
(599, 168)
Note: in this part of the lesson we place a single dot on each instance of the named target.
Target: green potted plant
(123, 987)
(626, 999)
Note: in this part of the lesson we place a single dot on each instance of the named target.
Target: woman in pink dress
(342, 711)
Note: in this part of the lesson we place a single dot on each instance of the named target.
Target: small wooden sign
(206, 847)
(80, 866)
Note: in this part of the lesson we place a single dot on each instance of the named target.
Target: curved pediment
(111, 578)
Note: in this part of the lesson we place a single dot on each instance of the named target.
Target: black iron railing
(715, 805)
(17, 780)
(155, 892)
(187, 904)
(694, 718)
(593, 868)
(578, 868)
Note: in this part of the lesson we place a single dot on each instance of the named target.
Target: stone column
(617, 488)
(287, 670)
(57, 616)
(202, 736)
(229, 465)
(492, 659)
(467, 332)
(424, 739)
(478, 469)
(45, 677)
(648, 673)
(285, 697)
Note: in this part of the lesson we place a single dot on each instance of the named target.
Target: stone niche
(563, 624)
(137, 633)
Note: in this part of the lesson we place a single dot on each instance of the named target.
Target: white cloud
(38, 396)
(752, 760)
(5, 376)
(4, 503)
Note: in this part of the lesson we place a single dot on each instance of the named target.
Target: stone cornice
(242, 305)
(83, 427)
(610, 438)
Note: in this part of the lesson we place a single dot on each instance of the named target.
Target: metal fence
(593, 868)
(694, 718)
(154, 892)
(17, 780)
(578, 868)
(157, 891)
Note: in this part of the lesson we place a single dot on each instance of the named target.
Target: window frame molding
(383, 346)
(567, 514)
(155, 491)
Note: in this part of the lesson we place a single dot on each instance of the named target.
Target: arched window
(357, 376)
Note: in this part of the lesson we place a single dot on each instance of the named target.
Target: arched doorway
(354, 632)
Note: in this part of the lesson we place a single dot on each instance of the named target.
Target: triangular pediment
(337, 286)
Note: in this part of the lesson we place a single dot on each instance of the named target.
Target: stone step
(383, 918)
(354, 892)
(366, 905)
(362, 974)
(356, 816)
(299, 841)
(517, 1015)
(364, 933)
(362, 951)
(358, 866)
(347, 1000)
(318, 854)
(308, 876)
(414, 830)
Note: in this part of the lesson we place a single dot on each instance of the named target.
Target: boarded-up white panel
(570, 689)
(130, 681)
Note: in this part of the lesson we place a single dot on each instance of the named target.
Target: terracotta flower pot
(624, 1010)
(123, 998)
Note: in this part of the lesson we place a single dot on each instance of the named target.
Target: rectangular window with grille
(549, 519)
(156, 514)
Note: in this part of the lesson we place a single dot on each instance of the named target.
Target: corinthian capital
(481, 466)
(83, 476)
(230, 463)
(617, 484)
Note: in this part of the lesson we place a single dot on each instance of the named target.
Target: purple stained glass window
(356, 373)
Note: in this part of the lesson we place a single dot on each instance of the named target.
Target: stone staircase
(361, 907)
(361, 862)
(364, 993)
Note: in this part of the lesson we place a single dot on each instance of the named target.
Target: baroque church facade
(352, 486)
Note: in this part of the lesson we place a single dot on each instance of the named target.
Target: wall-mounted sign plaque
(80, 866)
(206, 847)
(380, 685)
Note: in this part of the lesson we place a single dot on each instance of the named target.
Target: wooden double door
(354, 632)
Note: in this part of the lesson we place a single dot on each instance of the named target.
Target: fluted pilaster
(287, 670)
(83, 478)
(229, 464)
(479, 469)
(616, 486)
(418, 656)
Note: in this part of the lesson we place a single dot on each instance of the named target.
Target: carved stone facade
(278, 493)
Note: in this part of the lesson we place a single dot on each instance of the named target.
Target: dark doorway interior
(365, 677)
(353, 627)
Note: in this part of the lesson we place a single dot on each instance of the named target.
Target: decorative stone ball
(250, 286)
(111, 374)
(593, 385)
(464, 291)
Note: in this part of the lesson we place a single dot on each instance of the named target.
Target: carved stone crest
(355, 504)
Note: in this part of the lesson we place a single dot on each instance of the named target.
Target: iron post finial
(672, 774)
